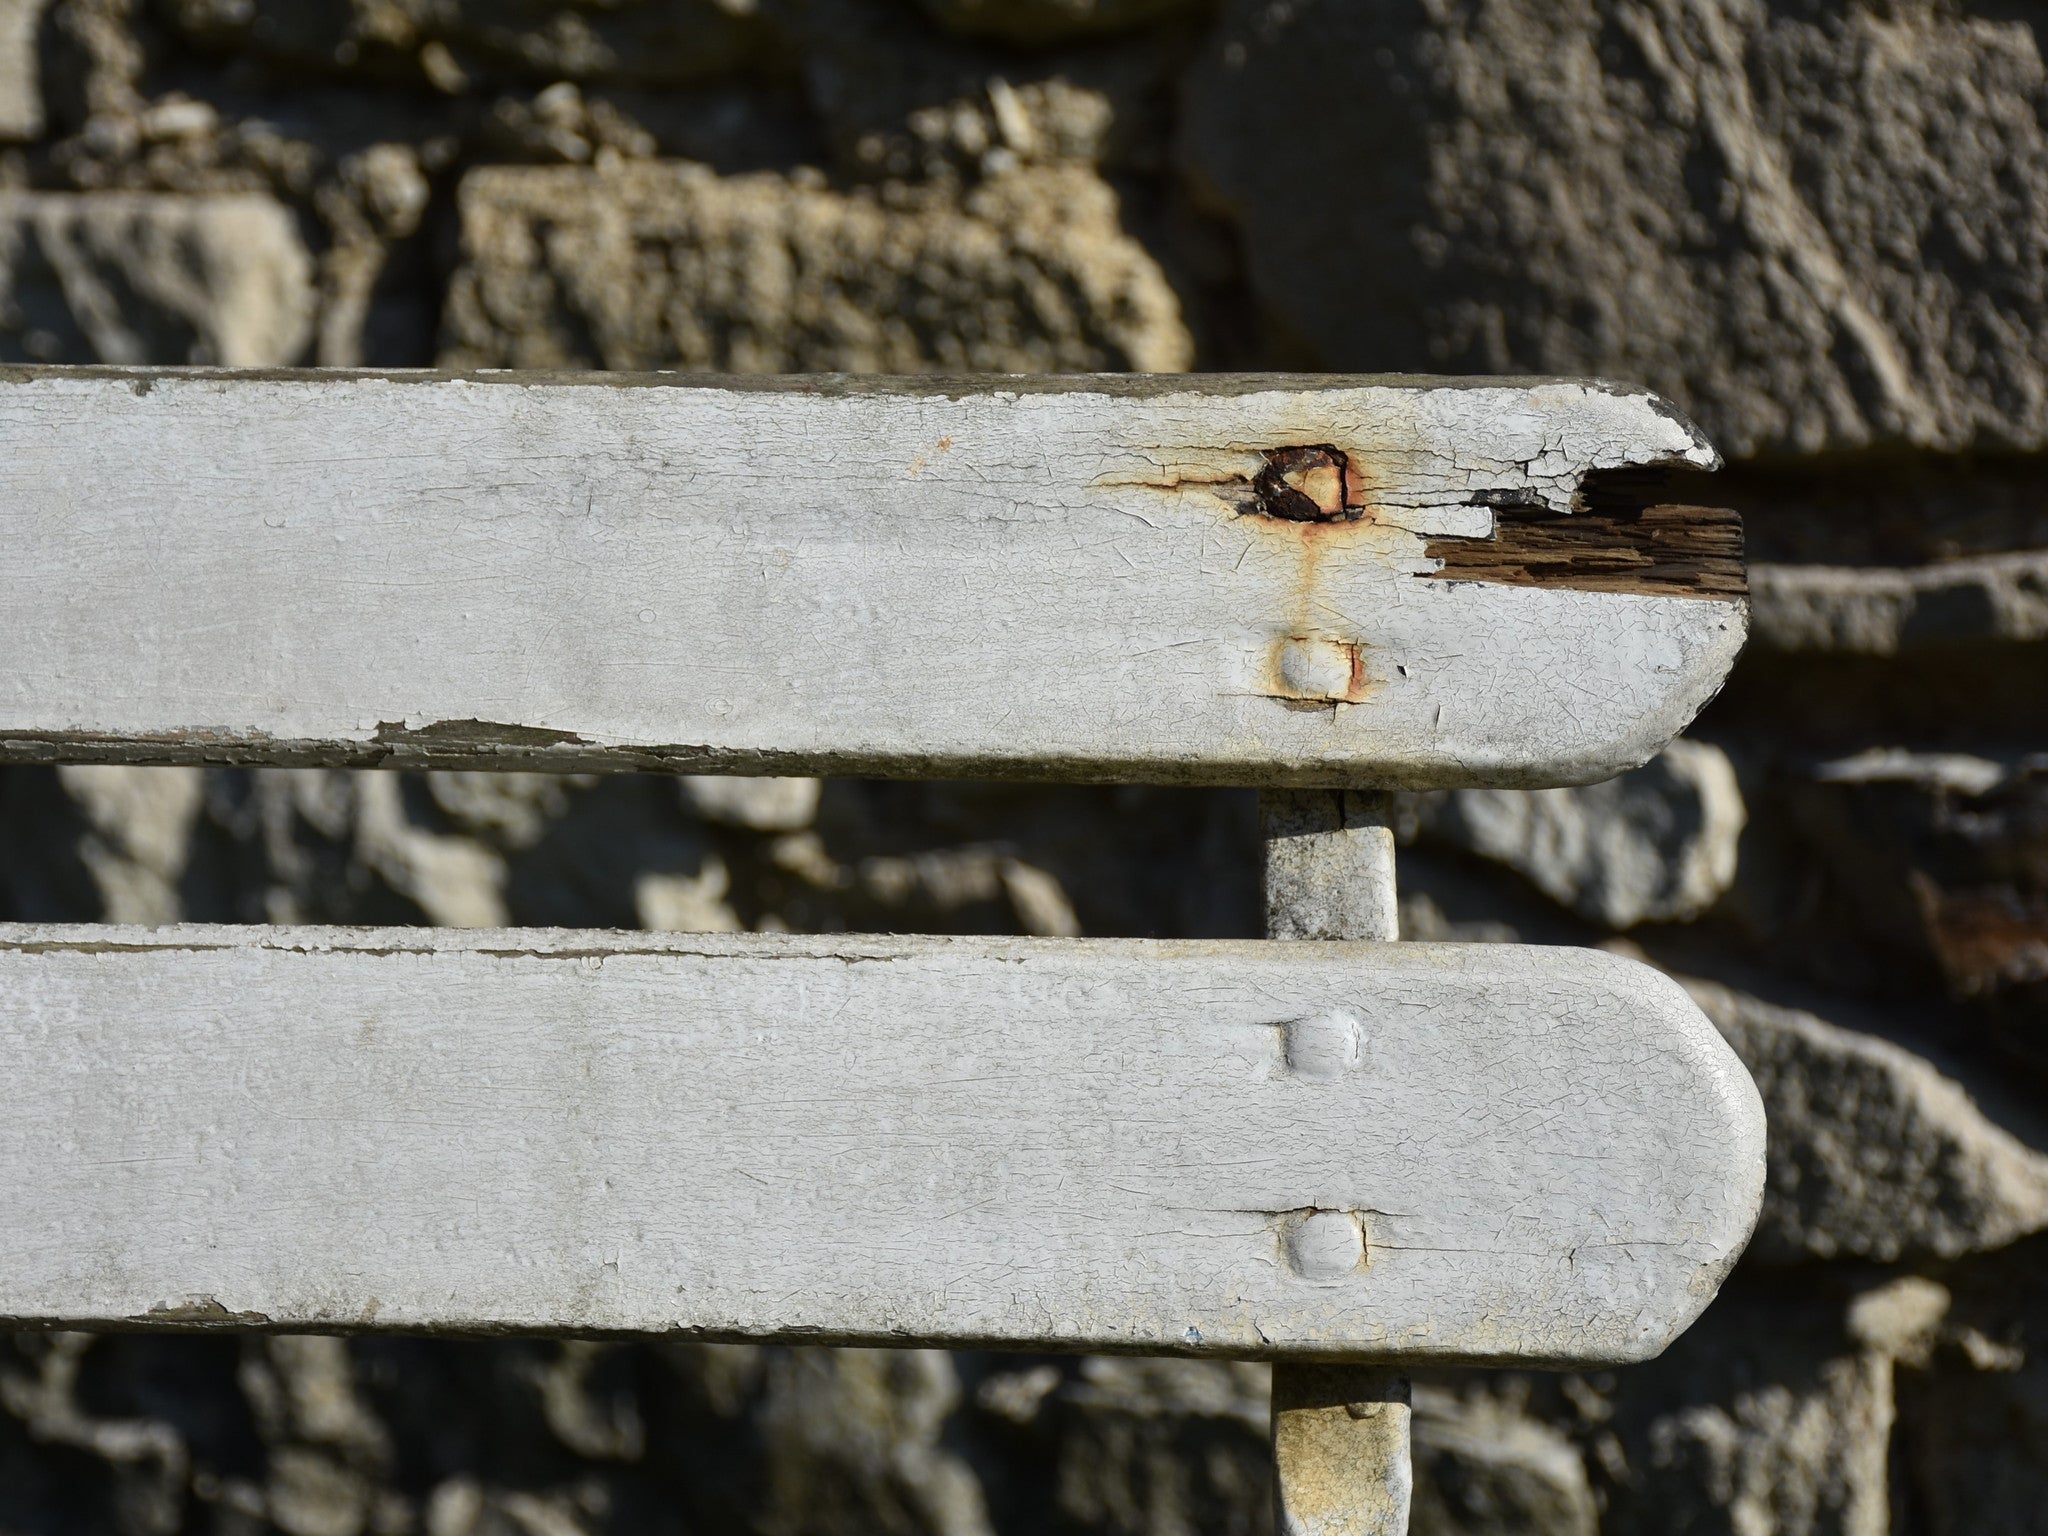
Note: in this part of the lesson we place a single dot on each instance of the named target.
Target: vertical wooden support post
(1340, 1451)
(1341, 1463)
(1329, 865)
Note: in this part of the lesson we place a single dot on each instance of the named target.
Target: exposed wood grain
(1067, 578)
(1248, 1149)
(1670, 551)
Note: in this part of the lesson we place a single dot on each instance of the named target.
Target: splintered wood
(1185, 579)
(1668, 550)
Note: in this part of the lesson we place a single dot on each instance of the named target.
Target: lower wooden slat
(1481, 1153)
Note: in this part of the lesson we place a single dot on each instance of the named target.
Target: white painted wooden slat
(1273, 1150)
(1067, 578)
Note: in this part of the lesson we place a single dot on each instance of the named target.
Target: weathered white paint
(1482, 1153)
(1017, 577)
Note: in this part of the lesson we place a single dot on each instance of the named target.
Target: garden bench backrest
(1326, 588)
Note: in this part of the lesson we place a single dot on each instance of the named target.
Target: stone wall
(1820, 225)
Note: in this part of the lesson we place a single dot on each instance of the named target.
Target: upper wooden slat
(1076, 578)
(1267, 1150)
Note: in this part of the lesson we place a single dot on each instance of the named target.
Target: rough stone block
(1882, 610)
(1484, 1469)
(138, 277)
(1045, 21)
(1873, 1153)
(894, 100)
(1145, 1447)
(137, 838)
(1654, 845)
(1774, 1413)
(1972, 1441)
(21, 95)
(464, 42)
(756, 805)
(1931, 866)
(1811, 226)
(666, 265)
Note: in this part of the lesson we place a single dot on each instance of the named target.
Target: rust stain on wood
(1654, 551)
(1303, 483)
(1305, 669)
(1314, 498)
(1313, 484)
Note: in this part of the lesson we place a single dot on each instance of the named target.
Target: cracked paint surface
(1516, 1155)
(1044, 578)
